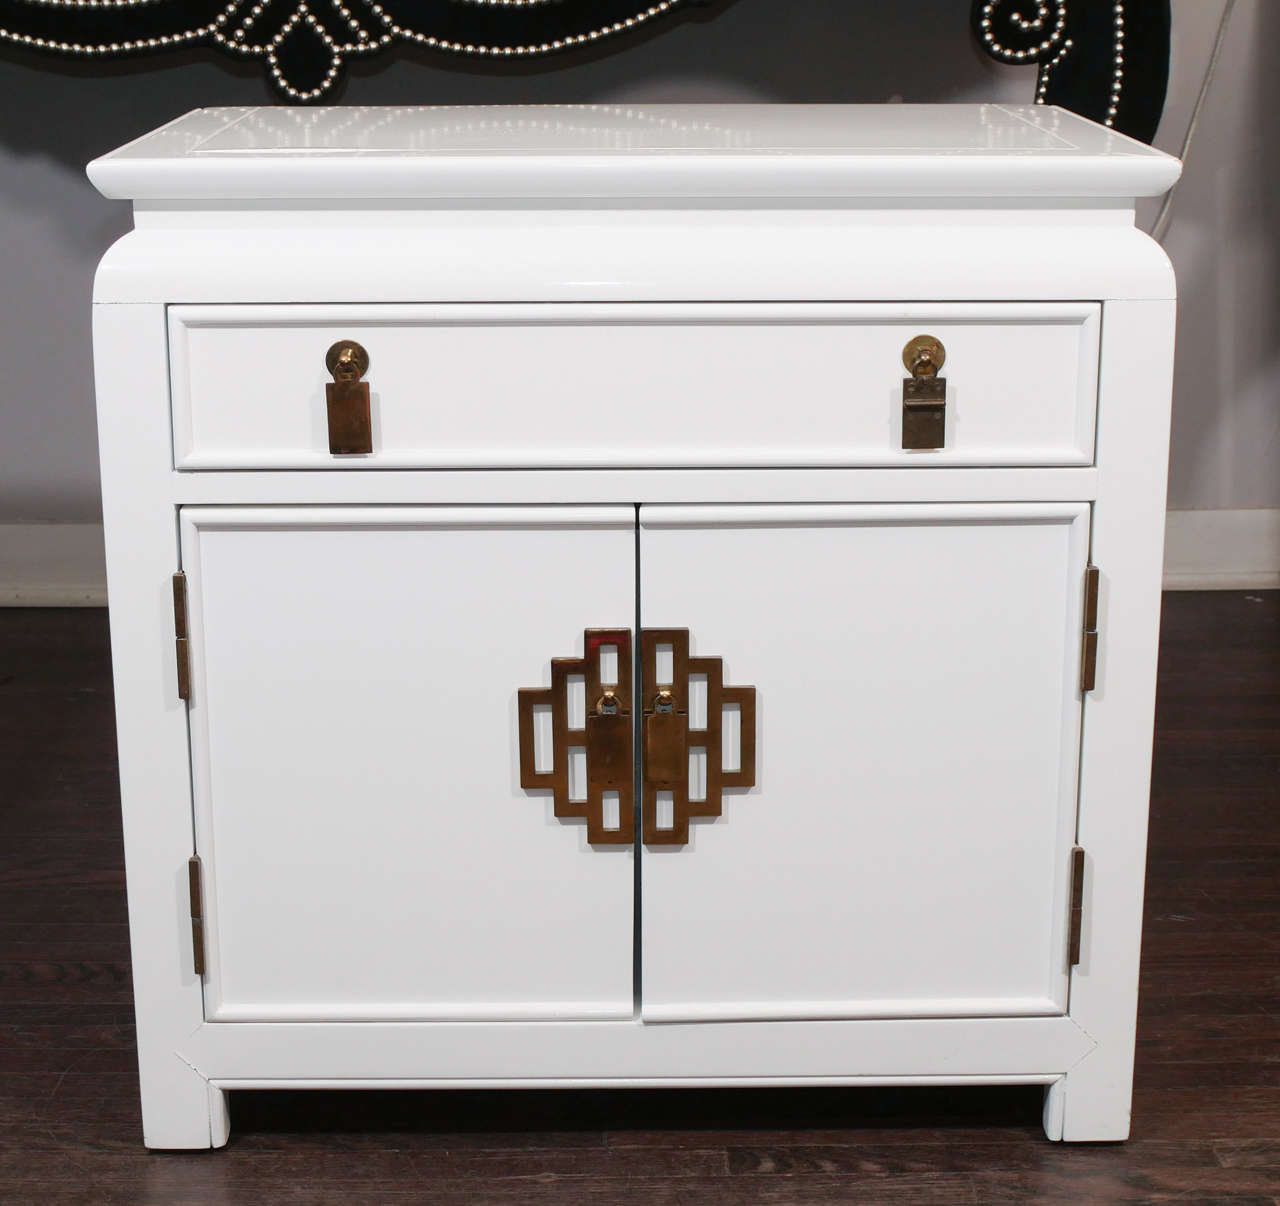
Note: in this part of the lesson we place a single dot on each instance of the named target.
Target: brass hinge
(1089, 647)
(1076, 921)
(197, 914)
(180, 642)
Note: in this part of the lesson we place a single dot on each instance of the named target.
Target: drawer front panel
(717, 385)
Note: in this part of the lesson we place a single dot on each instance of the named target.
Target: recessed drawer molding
(717, 385)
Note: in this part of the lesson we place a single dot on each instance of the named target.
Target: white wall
(56, 115)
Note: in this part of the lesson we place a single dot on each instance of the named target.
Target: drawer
(585, 385)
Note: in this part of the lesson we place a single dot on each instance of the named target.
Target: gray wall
(55, 115)
(1225, 244)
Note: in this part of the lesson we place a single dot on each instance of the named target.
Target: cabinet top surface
(632, 151)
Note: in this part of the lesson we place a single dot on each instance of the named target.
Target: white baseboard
(52, 565)
(61, 564)
(1222, 550)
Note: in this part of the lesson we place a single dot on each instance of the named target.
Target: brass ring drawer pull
(924, 394)
(350, 424)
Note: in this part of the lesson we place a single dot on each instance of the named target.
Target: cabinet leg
(219, 1117)
(1055, 1101)
(182, 1111)
(1092, 1103)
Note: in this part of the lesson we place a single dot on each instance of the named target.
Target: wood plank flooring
(1207, 1107)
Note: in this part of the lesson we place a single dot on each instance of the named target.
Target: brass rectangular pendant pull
(608, 746)
(666, 748)
(347, 399)
(924, 395)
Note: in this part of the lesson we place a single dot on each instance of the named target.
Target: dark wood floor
(1207, 1109)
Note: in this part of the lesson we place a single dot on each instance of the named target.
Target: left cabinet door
(367, 850)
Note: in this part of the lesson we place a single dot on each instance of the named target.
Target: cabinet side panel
(1128, 539)
(151, 722)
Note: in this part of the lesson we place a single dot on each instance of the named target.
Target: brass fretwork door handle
(605, 737)
(684, 772)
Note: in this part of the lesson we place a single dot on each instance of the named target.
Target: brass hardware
(668, 737)
(924, 394)
(183, 654)
(922, 352)
(347, 360)
(1089, 647)
(1077, 906)
(666, 748)
(1091, 582)
(197, 913)
(180, 605)
(181, 641)
(1089, 662)
(606, 738)
(350, 425)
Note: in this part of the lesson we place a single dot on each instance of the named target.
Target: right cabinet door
(906, 848)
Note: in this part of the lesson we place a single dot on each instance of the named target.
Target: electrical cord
(1161, 225)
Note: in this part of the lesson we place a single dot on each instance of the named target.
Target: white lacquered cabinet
(634, 597)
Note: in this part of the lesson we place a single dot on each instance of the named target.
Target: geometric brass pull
(605, 740)
(347, 399)
(669, 738)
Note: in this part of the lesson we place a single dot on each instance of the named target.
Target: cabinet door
(905, 851)
(367, 850)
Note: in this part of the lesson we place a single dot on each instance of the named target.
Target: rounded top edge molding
(639, 152)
